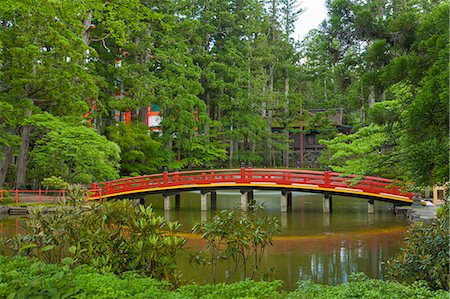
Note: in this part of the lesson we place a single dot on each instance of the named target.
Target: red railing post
(176, 176)
(100, 194)
(249, 172)
(203, 176)
(327, 178)
(1, 194)
(64, 195)
(242, 172)
(166, 175)
(17, 197)
(40, 196)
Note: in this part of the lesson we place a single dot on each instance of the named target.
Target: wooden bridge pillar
(177, 201)
(289, 200)
(203, 201)
(166, 202)
(371, 206)
(244, 200)
(286, 200)
(213, 200)
(327, 203)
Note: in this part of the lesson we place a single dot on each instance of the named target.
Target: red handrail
(326, 180)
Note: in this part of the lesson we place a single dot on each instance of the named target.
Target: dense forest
(230, 83)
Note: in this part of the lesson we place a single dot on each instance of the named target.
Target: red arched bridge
(248, 179)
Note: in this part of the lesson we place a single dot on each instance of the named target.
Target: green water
(325, 248)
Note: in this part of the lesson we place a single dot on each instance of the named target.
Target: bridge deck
(248, 178)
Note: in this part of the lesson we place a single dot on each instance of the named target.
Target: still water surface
(325, 248)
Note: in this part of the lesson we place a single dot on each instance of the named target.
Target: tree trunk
(269, 117)
(286, 122)
(371, 97)
(87, 23)
(23, 157)
(4, 165)
(231, 147)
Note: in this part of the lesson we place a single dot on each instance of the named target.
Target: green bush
(425, 253)
(360, 286)
(22, 277)
(54, 183)
(112, 237)
(236, 236)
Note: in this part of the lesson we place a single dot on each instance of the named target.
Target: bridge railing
(322, 179)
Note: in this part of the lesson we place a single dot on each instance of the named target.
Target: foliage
(241, 289)
(359, 286)
(76, 154)
(425, 253)
(54, 183)
(140, 153)
(236, 238)
(26, 278)
(112, 237)
(402, 128)
(359, 152)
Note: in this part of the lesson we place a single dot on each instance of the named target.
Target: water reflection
(325, 248)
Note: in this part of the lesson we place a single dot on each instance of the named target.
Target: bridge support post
(327, 203)
(284, 201)
(371, 206)
(166, 202)
(289, 200)
(417, 199)
(203, 201)
(244, 200)
(177, 201)
(213, 200)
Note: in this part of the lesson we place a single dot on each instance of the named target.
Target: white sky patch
(314, 13)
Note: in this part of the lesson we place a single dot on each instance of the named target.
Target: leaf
(29, 246)
(47, 248)
(67, 261)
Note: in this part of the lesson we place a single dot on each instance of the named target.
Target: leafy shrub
(22, 277)
(242, 289)
(54, 183)
(425, 253)
(238, 237)
(4, 196)
(360, 286)
(113, 237)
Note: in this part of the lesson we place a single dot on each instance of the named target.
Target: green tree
(140, 153)
(77, 155)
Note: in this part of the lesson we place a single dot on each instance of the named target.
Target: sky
(314, 13)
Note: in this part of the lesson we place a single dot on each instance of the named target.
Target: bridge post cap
(176, 170)
(250, 164)
(327, 168)
(165, 169)
(242, 164)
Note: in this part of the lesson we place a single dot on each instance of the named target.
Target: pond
(324, 248)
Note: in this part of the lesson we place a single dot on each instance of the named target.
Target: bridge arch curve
(326, 182)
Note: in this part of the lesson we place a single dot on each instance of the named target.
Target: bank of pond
(22, 277)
